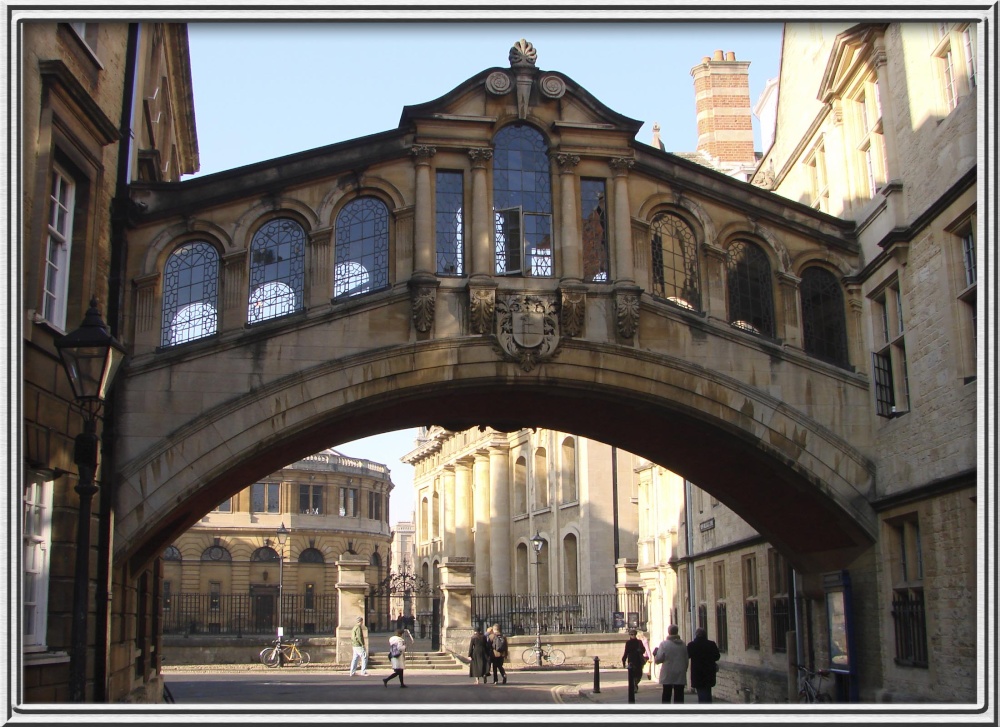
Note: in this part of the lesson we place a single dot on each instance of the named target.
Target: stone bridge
(509, 256)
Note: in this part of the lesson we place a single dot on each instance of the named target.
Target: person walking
(360, 655)
(397, 656)
(704, 655)
(479, 656)
(499, 647)
(672, 656)
(634, 659)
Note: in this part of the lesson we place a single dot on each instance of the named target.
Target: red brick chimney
(722, 102)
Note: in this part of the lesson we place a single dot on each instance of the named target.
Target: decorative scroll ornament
(527, 329)
(498, 83)
(627, 314)
(574, 309)
(482, 303)
(522, 53)
(552, 86)
(423, 300)
(422, 154)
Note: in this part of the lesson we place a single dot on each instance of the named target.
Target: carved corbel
(482, 308)
(572, 311)
(627, 311)
(423, 297)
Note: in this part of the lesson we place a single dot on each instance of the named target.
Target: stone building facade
(331, 504)
(101, 105)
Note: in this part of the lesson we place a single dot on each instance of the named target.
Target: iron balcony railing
(236, 614)
(559, 614)
(910, 623)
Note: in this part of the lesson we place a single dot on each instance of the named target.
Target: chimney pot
(717, 56)
(706, 59)
(731, 56)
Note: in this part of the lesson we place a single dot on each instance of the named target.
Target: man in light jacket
(672, 656)
(358, 646)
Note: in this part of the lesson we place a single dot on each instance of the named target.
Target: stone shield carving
(527, 328)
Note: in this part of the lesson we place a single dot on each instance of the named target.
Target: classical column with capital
(570, 246)
(463, 505)
(423, 213)
(482, 219)
(624, 272)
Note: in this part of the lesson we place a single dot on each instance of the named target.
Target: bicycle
(549, 655)
(283, 652)
(809, 692)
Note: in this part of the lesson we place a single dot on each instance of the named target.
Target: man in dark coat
(704, 656)
(634, 659)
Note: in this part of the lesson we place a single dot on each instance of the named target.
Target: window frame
(375, 248)
(271, 497)
(58, 247)
(821, 297)
(37, 503)
(262, 274)
(760, 307)
(449, 262)
(174, 304)
(908, 608)
(314, 498)
(870, 142)
(889, 365)
(672, 282)
(594, 230)
(954, 58)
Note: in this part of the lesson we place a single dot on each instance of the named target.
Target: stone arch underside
(801, 486)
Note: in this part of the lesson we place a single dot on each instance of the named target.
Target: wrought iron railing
(751, 625)
(586, 613)
(236, 614)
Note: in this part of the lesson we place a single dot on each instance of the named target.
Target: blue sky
(265, 90)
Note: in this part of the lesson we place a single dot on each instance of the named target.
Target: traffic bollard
(597, 675)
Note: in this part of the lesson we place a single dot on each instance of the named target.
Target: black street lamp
(91, 357)
(537, 542)
(282, 538)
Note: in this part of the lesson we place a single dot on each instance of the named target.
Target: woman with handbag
(397, 656)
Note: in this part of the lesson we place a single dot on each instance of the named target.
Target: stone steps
(417, 660)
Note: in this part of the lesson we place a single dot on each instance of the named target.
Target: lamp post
(282, 538)
(537, 542)
(91, 357)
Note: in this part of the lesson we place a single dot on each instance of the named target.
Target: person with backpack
(397, 656)
(499, 648)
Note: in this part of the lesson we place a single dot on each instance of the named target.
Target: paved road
(336, 689)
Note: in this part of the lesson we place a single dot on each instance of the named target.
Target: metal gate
(405, 600)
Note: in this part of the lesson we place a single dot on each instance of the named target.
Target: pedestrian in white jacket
(672, 656)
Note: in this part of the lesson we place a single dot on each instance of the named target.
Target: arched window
(311, 555)
(425, 523)
(824, 323)
(277, 270)
(748, 286)
(265, 554)
(567, 475)
(436, 515)
(541, 477)
(675, 261)
(570, 569)
(190, 294)
(362, 248)
(172, 553)
(520, 486)
(216, 553)
(521, 584)
(522, 198)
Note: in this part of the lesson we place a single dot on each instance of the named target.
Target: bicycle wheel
(263, 653)
(272, 659)
(305, 657)
(528, 656)
(557, 657)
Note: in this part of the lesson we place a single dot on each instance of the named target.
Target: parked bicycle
(549, 655)
(812, 686)
(283, 652)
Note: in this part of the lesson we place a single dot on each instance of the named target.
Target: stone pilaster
(624, 272)
(423, 222)
(714, 269)
(482, 219)
(571, 247)
(791, 332)
(449, 504)
(463, 508)
(456, 607)
(320, 243)
(235, 297)
(352, 590)
(481, 506)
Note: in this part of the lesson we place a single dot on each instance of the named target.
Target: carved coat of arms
(527, 328)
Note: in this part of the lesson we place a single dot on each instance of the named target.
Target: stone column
(714, 296)
(235, 294)
(500, 544)
(456, 603)
(448, 534)
(352, 589)
(570, 247)
(482, 219)
(320, 267)
(481, 503)
(423, 213)
(857, 352)
(624, 272)
(463, 502)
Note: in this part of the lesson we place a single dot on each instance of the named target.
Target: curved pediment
(520, 91)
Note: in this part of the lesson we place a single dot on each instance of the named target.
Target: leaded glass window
(311, 555)
(824, 323)
(190, 293)
(593, 207)
(748, 287)
(277, 270)
(522, 198)
(448, 223)
(172, 552)
(362, 248)
(675, 261)
(55, 283)
(264, 555)
(216, 553)
(264, 497)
